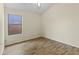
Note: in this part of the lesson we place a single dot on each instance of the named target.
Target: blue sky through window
(14, 19)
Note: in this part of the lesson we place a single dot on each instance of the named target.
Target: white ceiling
(29, 6)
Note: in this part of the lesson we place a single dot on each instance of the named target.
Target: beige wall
(31, 26)
(61, 23)
(1, 28)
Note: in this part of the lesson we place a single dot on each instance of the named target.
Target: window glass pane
(14, 24)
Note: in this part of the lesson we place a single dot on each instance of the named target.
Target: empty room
(39, 28)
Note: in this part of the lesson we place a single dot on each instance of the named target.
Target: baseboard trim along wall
(62, 42)
(22, 41)
(41, 37)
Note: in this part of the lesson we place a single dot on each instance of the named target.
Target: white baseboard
(62, 41)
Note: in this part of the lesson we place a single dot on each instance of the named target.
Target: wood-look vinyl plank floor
(41, 46)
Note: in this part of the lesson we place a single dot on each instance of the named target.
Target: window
(14, 24)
